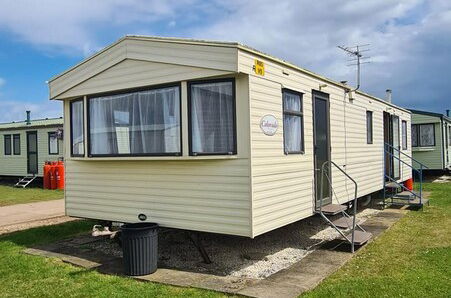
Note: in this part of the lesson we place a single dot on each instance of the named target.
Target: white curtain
(139, 123)
(77, 128)
(292, 122)
(212, 118)
(427, 135)
(53, 143)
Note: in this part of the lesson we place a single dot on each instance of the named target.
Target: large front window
(135, 123)
(212, 117)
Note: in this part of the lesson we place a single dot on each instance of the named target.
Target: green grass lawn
(411, 259)
(11, 195)
(23, 275)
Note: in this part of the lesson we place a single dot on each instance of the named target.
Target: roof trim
(430, 114)
(228, 44)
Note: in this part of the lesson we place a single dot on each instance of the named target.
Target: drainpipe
(28, 118)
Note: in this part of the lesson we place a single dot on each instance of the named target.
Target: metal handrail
(419, 171)
(355, 201)
(413, 159)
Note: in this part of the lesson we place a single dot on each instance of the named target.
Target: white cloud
(39, 109)
(75, 26)
(409, 44)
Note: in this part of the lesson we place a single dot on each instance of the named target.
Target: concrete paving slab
(22, 213)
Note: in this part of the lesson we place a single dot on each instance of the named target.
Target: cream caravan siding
(282, 184)
(134, 73)
(16, 165)
(195, 193)
(431, 156)
(194, 55)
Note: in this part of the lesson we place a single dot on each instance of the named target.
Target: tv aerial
(356, 58)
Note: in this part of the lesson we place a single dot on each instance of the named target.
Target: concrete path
(23, 213)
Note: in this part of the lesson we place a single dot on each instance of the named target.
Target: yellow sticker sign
(259, 67)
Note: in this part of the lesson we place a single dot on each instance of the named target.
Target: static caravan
(431, 139)
(216, 137)
(28, 144)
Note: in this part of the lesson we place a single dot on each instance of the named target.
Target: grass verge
(412, 259)
(24, 275)
(11, 195)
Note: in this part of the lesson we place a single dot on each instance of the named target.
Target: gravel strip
(236, 256)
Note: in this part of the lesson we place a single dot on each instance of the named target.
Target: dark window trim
(9, 151)
(293, 113)
(371, 141)
(51, 134)
(417, 126)
(71, 129)
(404, 137)
(16, 152)
(125, 91)
(190, 135)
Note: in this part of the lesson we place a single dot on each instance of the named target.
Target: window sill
(150, 158)
(423, 149)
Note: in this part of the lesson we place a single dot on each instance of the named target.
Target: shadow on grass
(47, 234)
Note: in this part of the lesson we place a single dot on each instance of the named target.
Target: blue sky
(410, 41)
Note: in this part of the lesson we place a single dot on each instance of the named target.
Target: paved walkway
(24, 213)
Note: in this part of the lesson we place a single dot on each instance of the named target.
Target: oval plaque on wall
(269, 125)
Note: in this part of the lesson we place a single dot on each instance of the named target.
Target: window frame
(190, 134)
(417, 127)
(71, 128)
(293, 113)
(50, 134)
(404, 138)
(133, 90)
(5, 137)
(16, 135)
(371, 127)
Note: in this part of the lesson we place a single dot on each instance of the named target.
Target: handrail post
(321, 187)
(421, 184)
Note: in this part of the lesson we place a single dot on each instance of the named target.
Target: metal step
(343, 222)
(391, 185)
(360, 237)
(333, 209)
(405, 194)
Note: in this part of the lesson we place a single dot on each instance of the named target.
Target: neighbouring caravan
(431, 139)
(26, 145)
(216, 137)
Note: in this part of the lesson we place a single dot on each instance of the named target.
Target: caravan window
(53, 143)
(212, 117)
(77, 128)
(293, 122)
(404, 135)
(7, 139)
(135, 123)
(369, 127)
(423, 135)
(16, 144)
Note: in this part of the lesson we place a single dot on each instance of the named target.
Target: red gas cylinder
(60, 175)
(53, 175)
(409, 184)
(47, 167)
